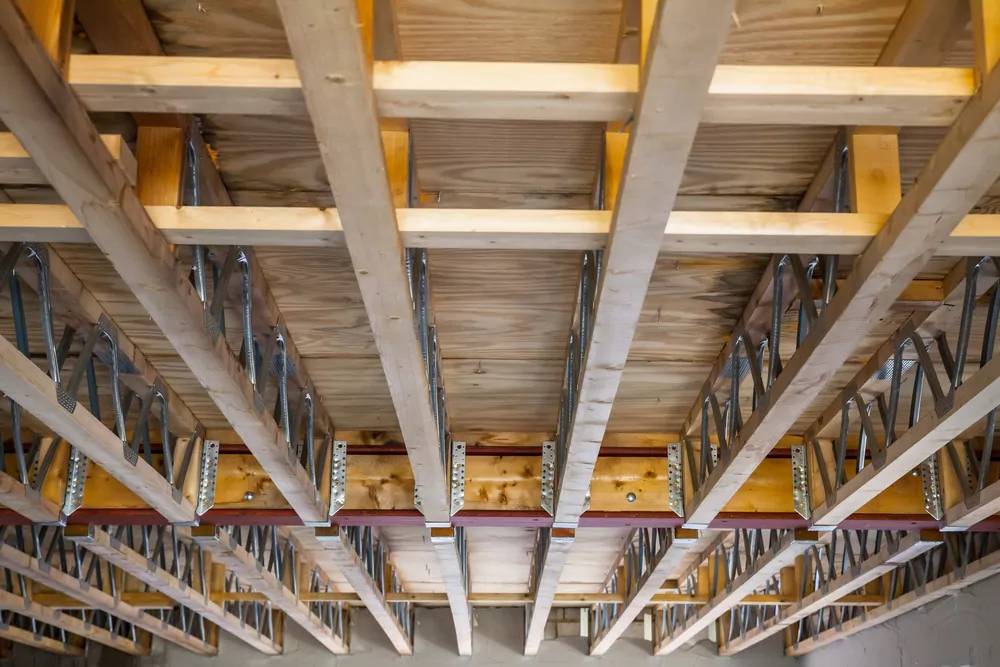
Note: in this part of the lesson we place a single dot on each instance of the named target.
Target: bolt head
(248, 496)
(630, 497)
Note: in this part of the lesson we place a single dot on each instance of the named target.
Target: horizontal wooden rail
(716, 232)
(779, 95)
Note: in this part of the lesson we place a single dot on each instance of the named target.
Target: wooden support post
(227, 551)
(135, 564)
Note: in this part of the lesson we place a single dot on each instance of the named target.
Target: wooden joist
(50, 575)
(17, 167)
(337, 548)
(33, 390)
(70, 646)
(686, 39)
(111, 550)
(711, 232)
(961, 170)
(552, 547)
(324, 37)
(451, 548)
(225, 549)
(39, 107)
(744, 95)
(868, 570)
(757, 572)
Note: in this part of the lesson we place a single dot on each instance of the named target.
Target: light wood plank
(872, 568)
(324, 37)
(68, 623)
(17, 167)
(740, 95)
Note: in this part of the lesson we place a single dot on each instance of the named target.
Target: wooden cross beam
(744, 95)
(709, 232)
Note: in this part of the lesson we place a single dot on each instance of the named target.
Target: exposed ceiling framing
(654, 308)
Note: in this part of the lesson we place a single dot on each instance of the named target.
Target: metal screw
(248, 496)
(630, 497)
(915, 473)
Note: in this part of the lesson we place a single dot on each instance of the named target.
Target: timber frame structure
(664, 308)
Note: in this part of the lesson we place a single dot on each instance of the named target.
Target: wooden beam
(34, 391)
(961, 170)
(738, 94)
(868, 570)
(499, 485)
(229, 552)
(452, 551)
(784, 553)
(50, 122)
(111, 550)
(709, 232)
(50, 575)
(38, 640)
(17, 167)
(686, 38)
(71, 624)
(324, 37)
(923, 37)
(552, 547)
(337, 549)
(27, 502)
